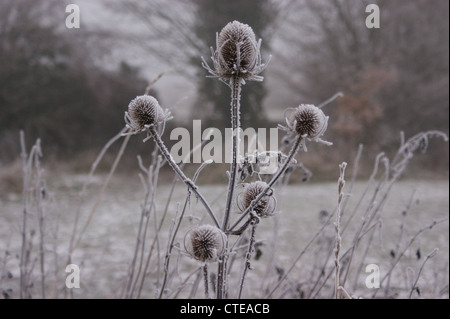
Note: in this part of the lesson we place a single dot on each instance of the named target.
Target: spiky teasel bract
(307, 121)
(237, 53)
(144, 111)
(264, 207)
(205, 243)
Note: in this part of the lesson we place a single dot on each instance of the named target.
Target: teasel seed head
(237, 53)
(265, 206)
(308, 120)
(144, 111)
(205, 243)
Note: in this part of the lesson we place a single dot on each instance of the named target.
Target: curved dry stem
(180, 173)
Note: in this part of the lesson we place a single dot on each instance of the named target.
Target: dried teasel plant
(236, 59)
(143, 112)
(265, 207)
(237, 54)
(204, 243)
(307, 121)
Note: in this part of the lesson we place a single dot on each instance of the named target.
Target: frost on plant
(237, 53)
(265, 206)
(237, 58)
(307, 121)
(205, 243)
(144, 111)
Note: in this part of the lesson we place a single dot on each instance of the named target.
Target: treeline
(394, 78)
(51, 87)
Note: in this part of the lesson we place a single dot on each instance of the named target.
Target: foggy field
(106, 248)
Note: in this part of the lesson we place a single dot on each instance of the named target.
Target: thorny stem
(252, 205)
(235, 85)
(251, 245)
(205, 277)
(180, 173)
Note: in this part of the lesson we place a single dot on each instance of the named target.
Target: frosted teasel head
(237, 53)
(144, 111)
(265, 206)
(205, 243)
(307, 121)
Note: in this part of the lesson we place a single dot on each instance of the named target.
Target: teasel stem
(235, 85)
(180, 173)
(205, 277)
(251, 244)
(291, 155)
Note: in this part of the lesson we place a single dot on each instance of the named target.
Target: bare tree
(390, 77)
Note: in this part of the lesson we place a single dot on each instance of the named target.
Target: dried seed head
(143, 111)
(265, 206)
(237, 53)
(236, 49)
(307, 120)
(205, 243)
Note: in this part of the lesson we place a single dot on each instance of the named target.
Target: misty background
(71, 87)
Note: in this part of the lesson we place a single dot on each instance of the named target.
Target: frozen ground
(106, 248)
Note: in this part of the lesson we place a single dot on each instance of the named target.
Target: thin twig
(337, 225)
(299, 256)
(88, 181)
(413, 238)
(102, 191)
(430, 255)
(180, 173)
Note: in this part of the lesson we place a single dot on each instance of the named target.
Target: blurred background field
(107, 246)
